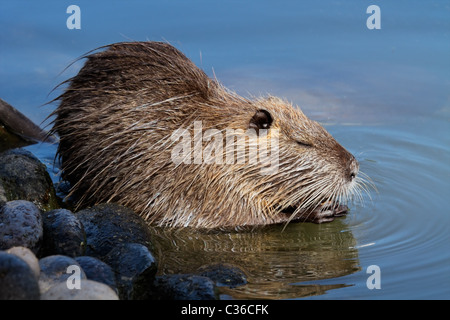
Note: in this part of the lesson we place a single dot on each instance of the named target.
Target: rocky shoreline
(102, 252)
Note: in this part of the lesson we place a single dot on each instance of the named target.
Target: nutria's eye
(261, 120)
(304, 144)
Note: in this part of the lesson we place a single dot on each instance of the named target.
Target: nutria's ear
(261, 120)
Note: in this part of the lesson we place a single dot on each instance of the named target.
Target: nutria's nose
(353, 168)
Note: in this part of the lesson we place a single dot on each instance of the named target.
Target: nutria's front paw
(325, 213)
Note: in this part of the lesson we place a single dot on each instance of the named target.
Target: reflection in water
(272, 259)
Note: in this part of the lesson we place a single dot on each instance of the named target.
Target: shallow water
(384, 95)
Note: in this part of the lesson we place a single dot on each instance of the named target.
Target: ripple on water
(405, 229)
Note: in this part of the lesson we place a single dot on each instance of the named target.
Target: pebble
(20, 225)
(184, 287)
(63, 234)
(89, 290)
(107, 225)
(98, 271)
(24, 177)
(17, 280)
(135, 269)
(55, 270)
(28, 256)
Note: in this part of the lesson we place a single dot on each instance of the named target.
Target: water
(384, 94)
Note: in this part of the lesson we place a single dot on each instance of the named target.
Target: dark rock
(17, 124)
(63, 233)
(135, 269)
(10, 140)
(55, 270)
(17, 280)
(21, 225)
(224, 275)
(24, 177)
(62, 189)
(107, 225)
(184, 287)
(98, 271)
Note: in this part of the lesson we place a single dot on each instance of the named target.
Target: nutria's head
(141, 125)
(314, 170)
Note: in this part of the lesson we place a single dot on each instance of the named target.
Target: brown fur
(115, 120)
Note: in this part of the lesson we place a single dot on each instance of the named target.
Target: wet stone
(107, 225)
(21, 225)
(97, 270)
(17, 280)
(28, 256)
(184, 287)
(24, 177)
(63, 233)
(55, 269)
(135, 269)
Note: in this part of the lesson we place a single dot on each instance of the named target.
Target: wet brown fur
(115, 120)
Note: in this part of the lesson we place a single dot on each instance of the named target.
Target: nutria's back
(141, 125)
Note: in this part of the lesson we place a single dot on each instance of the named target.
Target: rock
(17, 130)
(89, 290)
(21, 225)
(28, 256)
(10, 140)
(135, 270)
(184, 287)
(17, 280)
(62, 189)
(224, 275)
(97, 270)
(107, 225)
(63, 233)
(24, 177)
(55, 269)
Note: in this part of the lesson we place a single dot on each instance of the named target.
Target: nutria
(119, 121)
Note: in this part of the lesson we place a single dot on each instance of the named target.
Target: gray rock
(97, 270)
(89, 290)
(135, 269)
(55, 269)
(184, 287)
(107, 225)
(24, 177)
(20, 225)
(63, 233)
(17, 280)
(28, 256)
